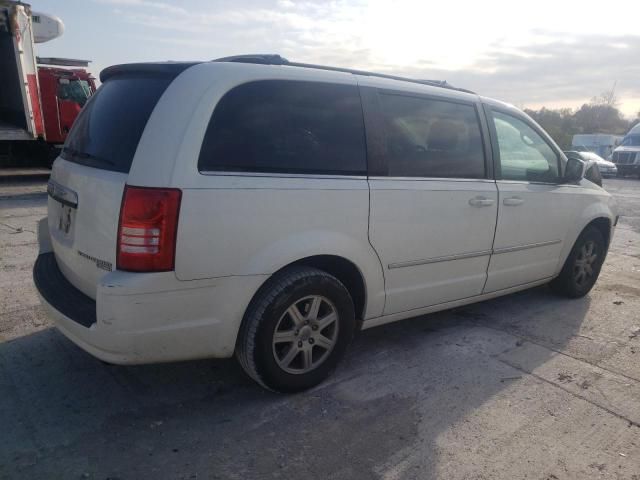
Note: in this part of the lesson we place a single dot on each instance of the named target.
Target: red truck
(38, 103)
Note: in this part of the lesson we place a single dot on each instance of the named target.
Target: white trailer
(20, 110)
(600, 143)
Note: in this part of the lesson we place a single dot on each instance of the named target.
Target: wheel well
(604, 226)
(343, 270)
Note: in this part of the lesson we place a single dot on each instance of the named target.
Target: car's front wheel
(296, 330)
(582, 267)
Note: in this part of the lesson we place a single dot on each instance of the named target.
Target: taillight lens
(147, 229)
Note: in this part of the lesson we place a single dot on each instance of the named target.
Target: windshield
(631, 141)
(75, 90)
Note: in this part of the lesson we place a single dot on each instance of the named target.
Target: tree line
(600, 115)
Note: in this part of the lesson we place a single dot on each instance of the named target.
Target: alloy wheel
(305, 334)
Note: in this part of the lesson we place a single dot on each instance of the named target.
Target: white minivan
(270, 209)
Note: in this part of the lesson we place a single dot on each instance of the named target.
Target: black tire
(570, 283)
(256, 348)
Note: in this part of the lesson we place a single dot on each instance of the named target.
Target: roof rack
(275, 59)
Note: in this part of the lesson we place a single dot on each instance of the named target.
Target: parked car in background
(269, 209)
(598, 143)
(627, 155)
(605, 167)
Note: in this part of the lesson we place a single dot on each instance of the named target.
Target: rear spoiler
(168, 69)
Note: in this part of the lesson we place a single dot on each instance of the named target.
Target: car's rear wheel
(582, 267)
(296, 330)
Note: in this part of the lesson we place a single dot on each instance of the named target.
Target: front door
(433, 206)
(534, 206)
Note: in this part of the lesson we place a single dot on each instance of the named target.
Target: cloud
(166, 7)
(526, 66)
(567, 69)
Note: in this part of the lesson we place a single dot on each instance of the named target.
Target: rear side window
(281, 126)
(431, 138)
(106, 133)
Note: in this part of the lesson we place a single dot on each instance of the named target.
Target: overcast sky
(557, 53)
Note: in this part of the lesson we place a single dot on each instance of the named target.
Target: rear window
(286, 127)
(106, 133)
(432, 138)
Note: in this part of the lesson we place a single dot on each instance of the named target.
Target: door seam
(493, 243)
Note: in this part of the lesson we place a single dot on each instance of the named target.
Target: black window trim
(306, 173)
(251, 173)
(376, 133)
(488, 111)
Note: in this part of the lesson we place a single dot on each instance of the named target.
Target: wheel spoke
(324, 322)
(307, 358)
(323, 342)
(589, 249)
(314, 308)
(288, 336)
(296, 316)
(291, 354)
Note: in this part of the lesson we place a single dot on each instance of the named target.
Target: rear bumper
(58, 293)
(146, 318)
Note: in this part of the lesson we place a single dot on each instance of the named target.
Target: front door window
(524, 154)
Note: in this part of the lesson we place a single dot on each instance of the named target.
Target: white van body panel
(154, 317)
(167, 156)
(169, 147)
(419, 244)
(595, 203)
(443, 251)
(87, 251)
(528, 245)
(296, 217)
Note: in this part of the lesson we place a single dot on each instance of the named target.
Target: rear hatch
(88, 179)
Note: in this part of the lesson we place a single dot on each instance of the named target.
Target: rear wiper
(79, 154)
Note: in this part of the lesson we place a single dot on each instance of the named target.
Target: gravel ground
(526, 386)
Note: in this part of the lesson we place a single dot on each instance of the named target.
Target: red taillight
(147, 229)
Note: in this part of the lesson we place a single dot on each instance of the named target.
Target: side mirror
(574, 172)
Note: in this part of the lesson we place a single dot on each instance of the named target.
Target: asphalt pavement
(525, 386)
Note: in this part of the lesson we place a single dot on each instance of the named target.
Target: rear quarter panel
(258, 225)
(250, 224)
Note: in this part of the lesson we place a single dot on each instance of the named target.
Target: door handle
(513, 201)
(481, 202)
